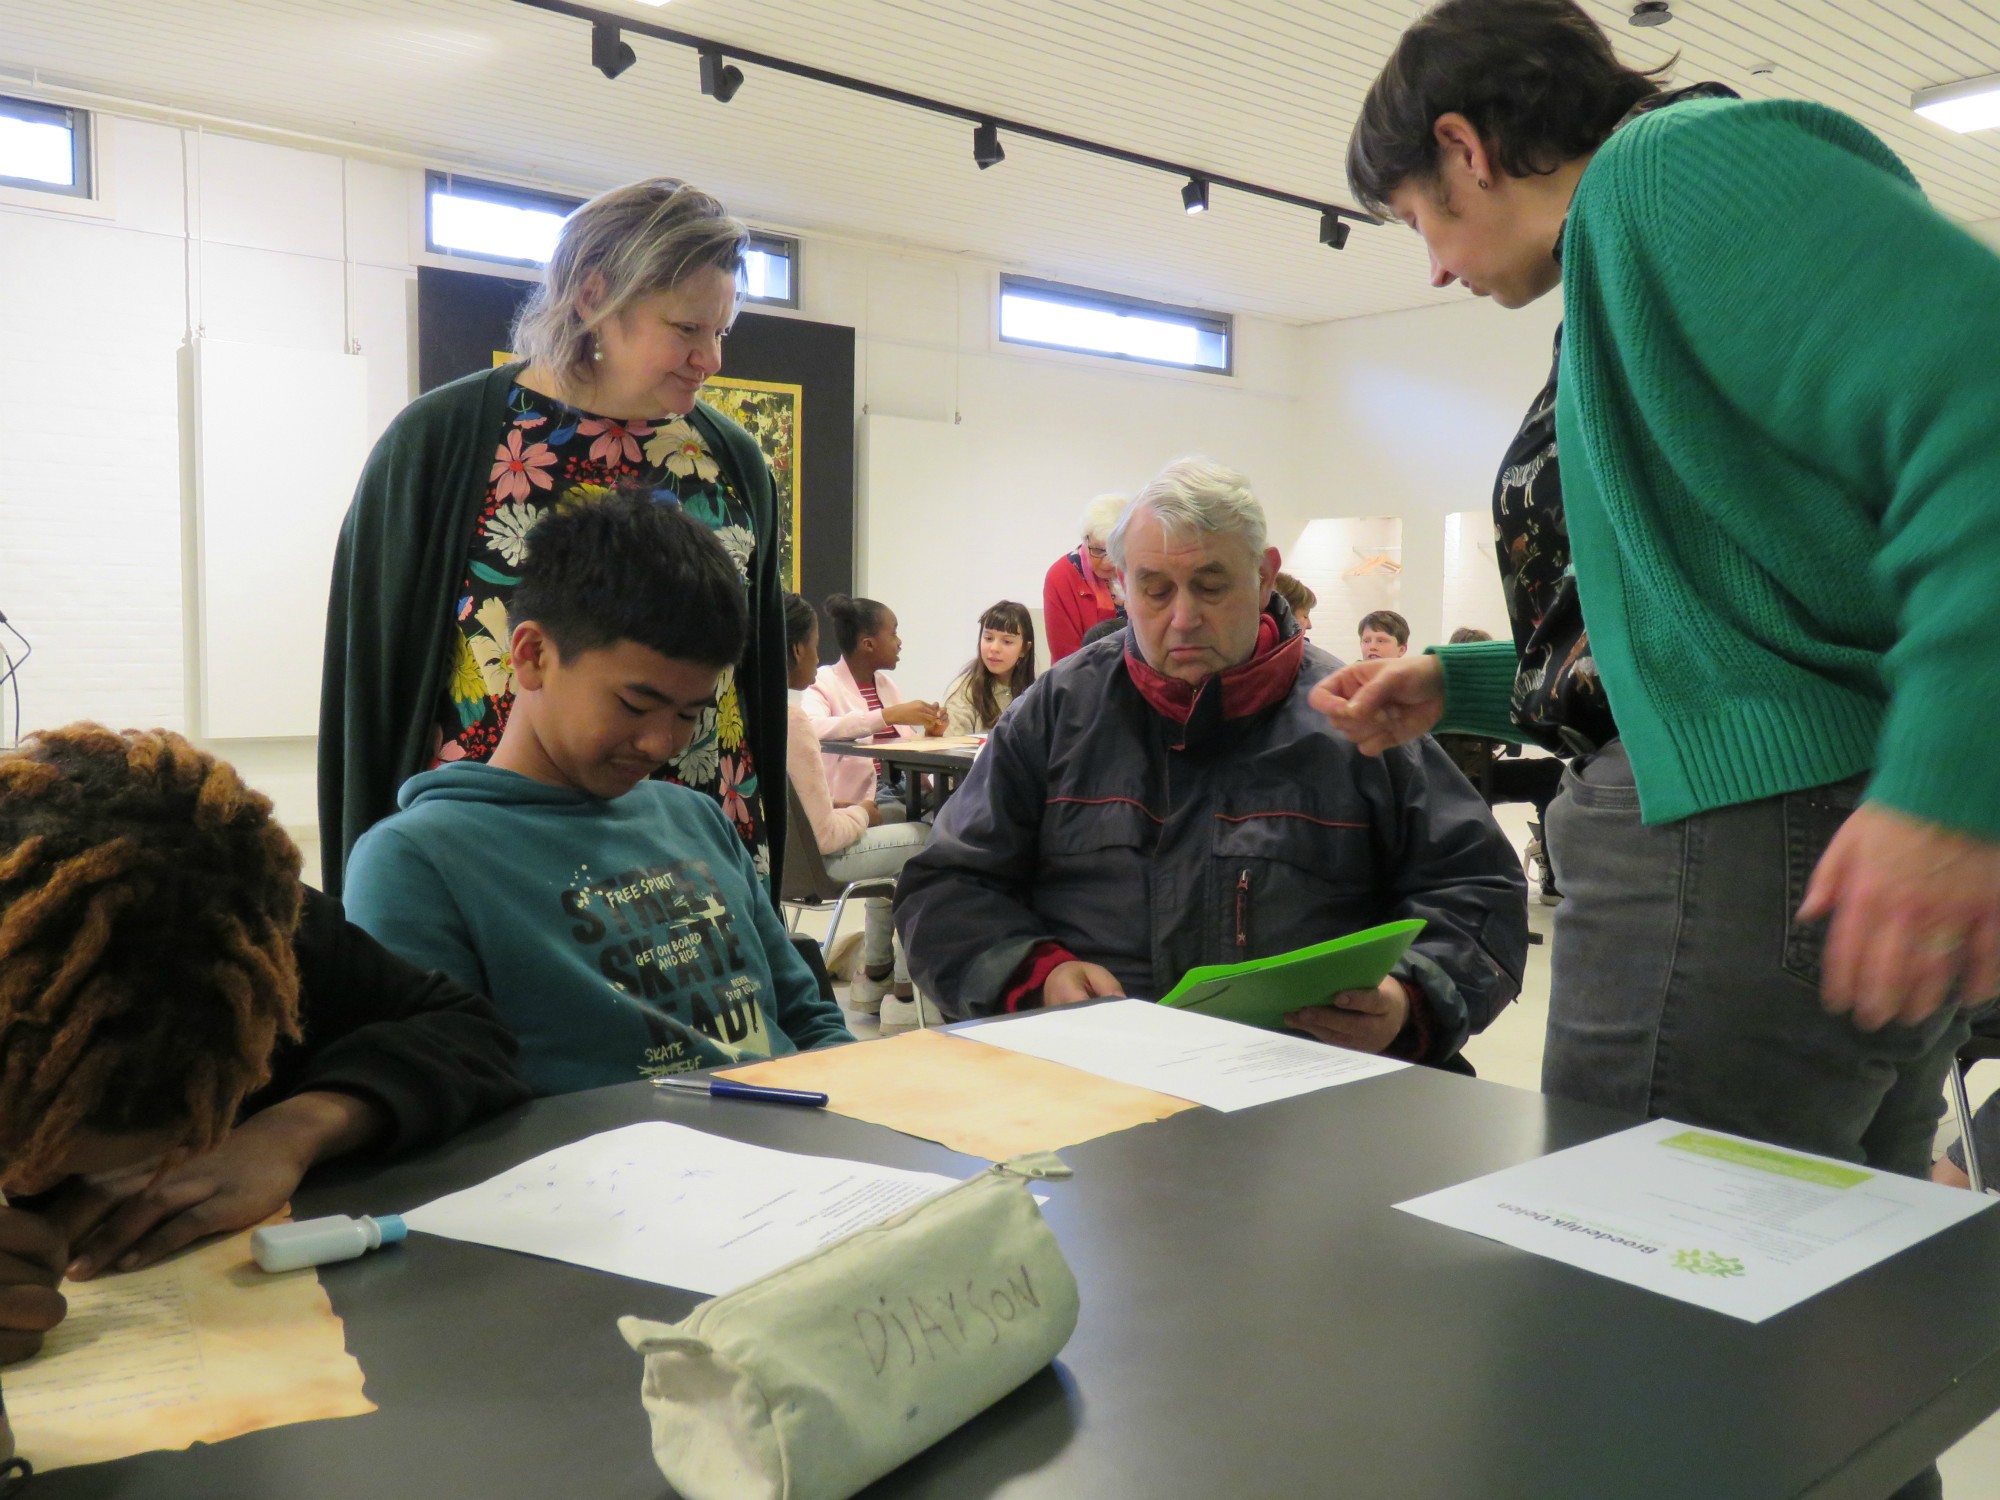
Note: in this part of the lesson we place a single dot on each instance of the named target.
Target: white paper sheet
(664, 1203)
(1203, 1058)
(1709, 1218)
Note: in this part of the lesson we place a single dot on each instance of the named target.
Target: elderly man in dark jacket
(1167, 798)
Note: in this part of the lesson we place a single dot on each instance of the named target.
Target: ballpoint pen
(722, 1088)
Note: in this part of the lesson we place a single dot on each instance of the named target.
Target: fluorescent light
(1968, 106)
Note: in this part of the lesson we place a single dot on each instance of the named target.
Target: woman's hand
(135, 1220)
(1915, 910)
(1382, 703)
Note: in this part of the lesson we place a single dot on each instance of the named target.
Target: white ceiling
(1259, 89)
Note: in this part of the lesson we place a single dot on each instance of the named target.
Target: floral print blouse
(551, 455)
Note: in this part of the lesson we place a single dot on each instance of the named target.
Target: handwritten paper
(1717, 1220)
(199, 1349)
(663, 1203)
(1191, 1056)
(982, 1101)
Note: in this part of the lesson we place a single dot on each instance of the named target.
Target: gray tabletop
(904, 752)
(1257, 1321)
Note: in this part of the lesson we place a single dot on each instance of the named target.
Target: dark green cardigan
(397, 572)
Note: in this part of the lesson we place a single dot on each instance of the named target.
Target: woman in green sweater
(1778, 512)
(628, 324)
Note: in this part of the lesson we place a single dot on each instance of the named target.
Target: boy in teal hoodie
(616, 921)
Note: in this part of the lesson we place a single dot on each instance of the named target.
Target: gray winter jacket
(1115, 819)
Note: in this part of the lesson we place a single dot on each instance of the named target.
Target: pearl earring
(1482, 182)
(598, 355)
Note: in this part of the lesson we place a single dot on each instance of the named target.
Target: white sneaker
(899, 1014)
(864, 996)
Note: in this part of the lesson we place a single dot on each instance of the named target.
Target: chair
(807, 885)
(1981, 1046)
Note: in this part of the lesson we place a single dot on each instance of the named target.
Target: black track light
(1194, 197)
(610, 53)
(1333, 230)
(719, 80)
(986, 147)
(1651, 13)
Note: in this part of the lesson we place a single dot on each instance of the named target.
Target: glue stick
(315, 1242)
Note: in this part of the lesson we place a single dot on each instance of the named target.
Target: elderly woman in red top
(1077, 592)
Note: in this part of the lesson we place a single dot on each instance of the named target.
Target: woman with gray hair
(1076, 594)
(615, 347)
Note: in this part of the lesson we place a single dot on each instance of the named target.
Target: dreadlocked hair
(147, 908)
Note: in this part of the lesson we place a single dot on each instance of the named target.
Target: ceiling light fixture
(986, 148)
(1651, 13)
(719, 80)
(1968, 106)
(1334, 230)
(610, 53)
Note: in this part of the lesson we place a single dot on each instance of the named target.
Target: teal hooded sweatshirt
(621, 939)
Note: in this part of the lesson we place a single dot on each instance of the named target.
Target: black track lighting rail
(974, 117)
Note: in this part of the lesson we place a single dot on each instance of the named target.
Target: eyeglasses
(1094, 551)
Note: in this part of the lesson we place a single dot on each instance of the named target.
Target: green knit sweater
(1779, 428)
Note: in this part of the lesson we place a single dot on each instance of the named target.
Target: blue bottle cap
(392, 1226)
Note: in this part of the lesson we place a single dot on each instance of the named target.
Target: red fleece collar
(1256, 685)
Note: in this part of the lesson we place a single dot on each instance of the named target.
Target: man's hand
(1360, 1020)
(32, 1253)
(1076, 980)
(1915, 909)
(131, 1222)
(1382, 703)
(916, 713)
(874, 813)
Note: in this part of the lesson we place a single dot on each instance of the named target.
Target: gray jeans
(1683, 986)
(882, 850)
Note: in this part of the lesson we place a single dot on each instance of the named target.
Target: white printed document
(680, 1207)
(1219, 1063)
(1713, 1219)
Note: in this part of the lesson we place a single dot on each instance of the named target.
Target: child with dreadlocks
(185, 1029)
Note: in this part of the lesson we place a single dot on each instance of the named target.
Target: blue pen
(722, 1088)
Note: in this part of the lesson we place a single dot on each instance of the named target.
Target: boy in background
(616, 921)
(1384, 633)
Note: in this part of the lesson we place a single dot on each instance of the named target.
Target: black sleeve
(433, 1056)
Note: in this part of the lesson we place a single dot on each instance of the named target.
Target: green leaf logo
(1707, 1263)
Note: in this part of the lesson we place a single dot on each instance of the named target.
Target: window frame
(1201, 319)
(458, 184)
(787, 246)
(82, 138)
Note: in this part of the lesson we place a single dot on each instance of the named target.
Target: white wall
(1407, 414)
(196, 232)
(265, 244)
(1034, 436)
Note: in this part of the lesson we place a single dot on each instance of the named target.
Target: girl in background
(998, 675)
(856, 842)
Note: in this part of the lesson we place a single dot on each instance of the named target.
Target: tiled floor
(1511, 1053)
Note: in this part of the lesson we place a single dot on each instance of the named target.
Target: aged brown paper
(202, 1348)
(979, 1100)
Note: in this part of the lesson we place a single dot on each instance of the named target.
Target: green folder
(1264, 991)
